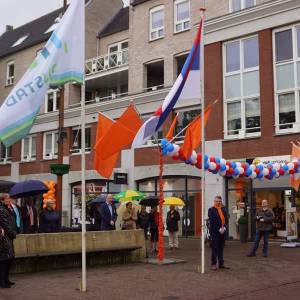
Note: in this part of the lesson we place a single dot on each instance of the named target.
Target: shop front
(185, 187)
(244, 196)
(93, 189)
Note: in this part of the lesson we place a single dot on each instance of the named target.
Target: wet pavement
(275, 277)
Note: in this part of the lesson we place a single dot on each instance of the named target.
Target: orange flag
(104, 167)
(295, 178)
(170, 133)
(120, 134)
(193, 133)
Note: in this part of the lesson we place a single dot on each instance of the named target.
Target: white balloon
(253, 175)
(176, 148)
(227, 168)
(277, 175)
(276, 166)
(290, 165)
(252, 167)
(212, 166)
(223, 161)
(238, 164)
(266, 171)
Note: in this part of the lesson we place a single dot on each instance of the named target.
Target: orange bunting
(170, 133)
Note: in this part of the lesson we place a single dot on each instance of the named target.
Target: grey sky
(19, 12)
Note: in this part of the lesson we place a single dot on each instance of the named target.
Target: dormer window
(20, 41)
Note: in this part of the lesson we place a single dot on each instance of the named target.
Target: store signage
(272, 159)
(120, 178)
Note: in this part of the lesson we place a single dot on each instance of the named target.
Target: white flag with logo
(59, 62)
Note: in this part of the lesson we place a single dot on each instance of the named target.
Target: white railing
(106, 62)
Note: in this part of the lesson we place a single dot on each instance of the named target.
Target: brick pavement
(276, 277)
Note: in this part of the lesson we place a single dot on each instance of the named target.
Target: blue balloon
(164, 142)
(206, 165)
(222, 167)
(285, 167)
(218, 160)
(273, 172)
(233, 165)
(248, 172)
(236, 172)
(260, 167)
(215, 171)
(205, 157)
(260, 175)
(170, 147)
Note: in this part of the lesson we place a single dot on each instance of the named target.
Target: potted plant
(243, 229)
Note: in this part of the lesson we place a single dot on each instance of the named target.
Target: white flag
(59, 62)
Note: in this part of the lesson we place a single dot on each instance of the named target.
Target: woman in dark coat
(172, 226)
(7, 235)
(49, 218)
(153, 225)
(143, 220)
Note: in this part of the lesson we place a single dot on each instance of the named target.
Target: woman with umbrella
(7, 235)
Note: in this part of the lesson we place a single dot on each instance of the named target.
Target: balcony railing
(106, 62)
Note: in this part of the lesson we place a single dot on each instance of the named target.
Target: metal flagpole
(203, 145)
(83, 199)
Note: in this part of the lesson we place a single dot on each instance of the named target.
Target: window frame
(5, 159)
(87, 149)
(176, 22)
(156, 30)
(53, 142)
(296, 89)
(242, 99)
(243, 5)
(10, 79)
(30, 156)
(55, 102)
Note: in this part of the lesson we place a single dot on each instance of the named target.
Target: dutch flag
(186, 86)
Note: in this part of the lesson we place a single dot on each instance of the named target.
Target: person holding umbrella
(49, 218)
(173, 218)
(29, 217)
(7, 235)
(153, 224)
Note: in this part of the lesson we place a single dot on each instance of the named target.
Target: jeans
(258, 236)
(217, 247)
(173, 239)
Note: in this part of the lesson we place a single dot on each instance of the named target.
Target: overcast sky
(19, 12)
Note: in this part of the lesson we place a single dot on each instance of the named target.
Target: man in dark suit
(108, 214)
(217, 228)
(29, 217)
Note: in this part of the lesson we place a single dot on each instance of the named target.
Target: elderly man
(108, 214)
(217, 227)
(264, 220)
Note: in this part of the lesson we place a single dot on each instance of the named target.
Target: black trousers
(217, 247)
(4, 271)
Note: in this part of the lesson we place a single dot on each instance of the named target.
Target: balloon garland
(231, 169)
(51, 193)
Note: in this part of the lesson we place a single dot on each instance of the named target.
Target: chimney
(9, 28)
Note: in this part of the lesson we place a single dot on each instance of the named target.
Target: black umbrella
(5, 186)
(99, 200)
(28, 188)
(150, 201)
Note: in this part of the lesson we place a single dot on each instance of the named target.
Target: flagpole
(83, 168)
(203, 145)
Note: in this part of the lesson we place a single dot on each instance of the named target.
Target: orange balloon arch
(51, 194)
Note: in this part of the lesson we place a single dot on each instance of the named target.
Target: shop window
(10, 73)
(50, 149)
(182, 16)
(52, 100)
(5, 154)
(157, 30)
(28, 148)
(287, 79)
(155, 75)
(241, 88)
(236, 5)
(76, 140)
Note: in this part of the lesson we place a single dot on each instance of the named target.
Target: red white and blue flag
(186, 86)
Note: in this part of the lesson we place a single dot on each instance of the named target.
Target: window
(157, 23)
(286, 45)
(52, 101)
(236, 5)
(118, 54)
(76, 140)
(50, 145)
(155, 75)
(5, 154)
(10, 73)
(20, 41)
(181, 15)
(241, 88)
(29, 148)
(184, 118)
